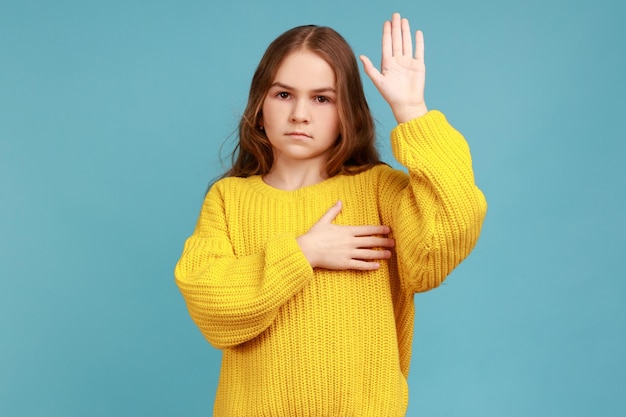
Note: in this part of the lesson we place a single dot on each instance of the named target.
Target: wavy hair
(354, 150)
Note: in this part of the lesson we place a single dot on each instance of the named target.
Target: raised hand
(331, 246)
(402, 74)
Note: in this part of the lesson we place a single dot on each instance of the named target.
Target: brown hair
(354, 151)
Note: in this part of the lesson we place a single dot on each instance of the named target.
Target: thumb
(332, 212)
(369, 68)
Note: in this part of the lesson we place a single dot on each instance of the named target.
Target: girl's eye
(322, 99)
(283, 94)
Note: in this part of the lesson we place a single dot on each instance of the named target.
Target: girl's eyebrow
(317, 90)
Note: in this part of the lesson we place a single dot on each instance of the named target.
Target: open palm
(402, 75)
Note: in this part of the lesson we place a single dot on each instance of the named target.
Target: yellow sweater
(298, 341)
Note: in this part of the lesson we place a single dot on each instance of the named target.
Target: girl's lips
(300, 135)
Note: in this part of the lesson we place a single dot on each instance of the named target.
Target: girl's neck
(294, 177)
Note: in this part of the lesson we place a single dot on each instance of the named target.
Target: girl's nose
(300, 112)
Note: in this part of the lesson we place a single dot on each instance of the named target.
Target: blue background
(112, 114)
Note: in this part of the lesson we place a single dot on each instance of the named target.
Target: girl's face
(300, 115)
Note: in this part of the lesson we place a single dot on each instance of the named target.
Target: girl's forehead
(305, 69)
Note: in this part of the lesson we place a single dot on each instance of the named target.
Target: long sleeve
(326, 342)
(232, 298)
(437, 216)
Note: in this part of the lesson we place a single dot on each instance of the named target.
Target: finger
(367, 230)
(363, 265)
(407, 43)
(375, 242)
(387, 51)
(369, 68)
(396, 34)
(330, 215)
(419, 46)
(370, 254)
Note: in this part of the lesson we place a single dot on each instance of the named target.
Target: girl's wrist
(306, 251)
(406, 113)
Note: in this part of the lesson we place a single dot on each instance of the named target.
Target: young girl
(292, 270)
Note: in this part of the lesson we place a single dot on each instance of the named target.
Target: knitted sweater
(298, 341)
